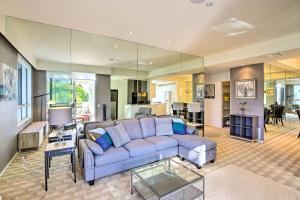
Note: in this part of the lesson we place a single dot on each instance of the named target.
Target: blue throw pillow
(101, 137)
(179, 126)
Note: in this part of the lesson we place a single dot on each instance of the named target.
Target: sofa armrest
(87, 161)
(192, 130)
(90, 125)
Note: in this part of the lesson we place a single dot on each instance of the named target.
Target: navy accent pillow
(101, 137)
(178, 126)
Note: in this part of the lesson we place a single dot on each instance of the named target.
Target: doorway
(84, 96)
(114, 104)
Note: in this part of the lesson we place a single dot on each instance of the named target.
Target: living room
(145, 114)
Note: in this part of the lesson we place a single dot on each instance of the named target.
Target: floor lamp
(194, 108)
(178, 106)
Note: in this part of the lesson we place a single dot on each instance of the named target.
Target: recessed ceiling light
(168, 42)
(115, 46)
(197, 1)
(150, 62)
(209, 4)
(130, 32)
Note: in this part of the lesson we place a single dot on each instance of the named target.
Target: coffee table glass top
(165, 177)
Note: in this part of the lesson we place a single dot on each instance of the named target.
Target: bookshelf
(226, 103)
(243, 127)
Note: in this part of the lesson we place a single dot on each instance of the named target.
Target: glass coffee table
(167, 179)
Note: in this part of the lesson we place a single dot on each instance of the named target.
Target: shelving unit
(226, 103)
(243, 127)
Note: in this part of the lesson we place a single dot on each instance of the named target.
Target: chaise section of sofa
(144, 147)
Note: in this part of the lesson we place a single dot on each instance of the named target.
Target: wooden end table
(59, 149)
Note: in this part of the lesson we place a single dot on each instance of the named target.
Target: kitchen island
(157, 109)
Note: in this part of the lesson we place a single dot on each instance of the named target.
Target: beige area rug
(234, 183)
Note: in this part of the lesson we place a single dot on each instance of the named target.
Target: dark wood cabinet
(137, 92)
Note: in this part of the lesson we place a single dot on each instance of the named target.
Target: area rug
(234, 183)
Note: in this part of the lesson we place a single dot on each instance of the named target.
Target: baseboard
(2, 172)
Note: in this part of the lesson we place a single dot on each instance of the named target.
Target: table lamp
(178, 106)
(59, 117)
(194, 107)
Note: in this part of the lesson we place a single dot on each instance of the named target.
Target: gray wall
(102, 95)
(8, 110)
(254, 106)
(39, 83)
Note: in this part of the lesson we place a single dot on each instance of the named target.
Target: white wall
(213, 107)
(121, 86)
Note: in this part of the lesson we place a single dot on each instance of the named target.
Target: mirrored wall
(75, 63)
(282, 94)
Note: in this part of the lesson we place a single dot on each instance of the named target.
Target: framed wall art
(245, 89)
(8, 83)
(199, 91)
(209, 91)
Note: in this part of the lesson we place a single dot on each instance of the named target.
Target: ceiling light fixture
(150, 62)
(233, 27)
(130, 32)
(168, 42)
(275, 54)
(209, 4)
(197, 1)
(115, 46)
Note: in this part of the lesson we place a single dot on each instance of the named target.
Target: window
(60, 89)
(24, 89)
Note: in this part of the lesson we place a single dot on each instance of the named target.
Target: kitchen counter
(157, 109)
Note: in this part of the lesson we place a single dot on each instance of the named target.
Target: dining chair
(298, 112)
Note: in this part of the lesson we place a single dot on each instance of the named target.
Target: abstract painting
(209, 91)
(8, 83)
(245, 89)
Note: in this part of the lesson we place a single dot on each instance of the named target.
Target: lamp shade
(60, 116)
(177, 106)
(194, 107)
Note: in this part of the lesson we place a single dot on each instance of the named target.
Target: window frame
(24, 111)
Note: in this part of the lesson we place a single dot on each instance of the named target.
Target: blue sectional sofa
(142, 149)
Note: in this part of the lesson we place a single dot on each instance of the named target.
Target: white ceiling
(189, 27)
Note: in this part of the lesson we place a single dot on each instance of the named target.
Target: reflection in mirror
(282, 89)
(102, 77)
(47, 48)
(114, 62)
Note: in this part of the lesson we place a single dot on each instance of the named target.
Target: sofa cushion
(163, 126)
(112, 155)
(179, 126)
(132, 128)
(94, 147)
(140, 147)
(162, 142)
(148, 126)
(92, 125)
(101, 137)
(194, 142)
(118, 135)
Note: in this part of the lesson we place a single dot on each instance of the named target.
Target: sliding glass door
(84, 96)
(76, 90)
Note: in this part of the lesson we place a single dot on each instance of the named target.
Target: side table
(59, 149)
(197, 126)
(53, 136)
